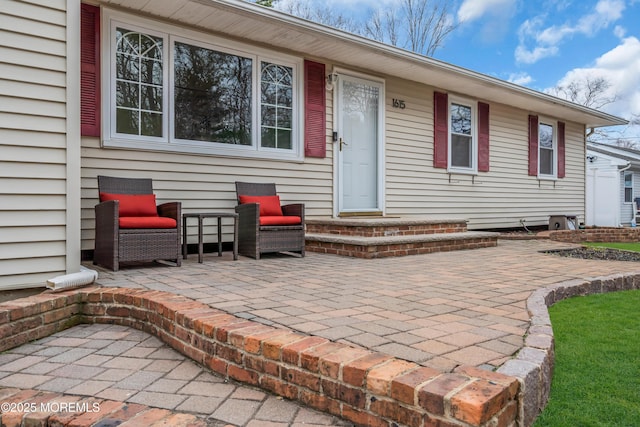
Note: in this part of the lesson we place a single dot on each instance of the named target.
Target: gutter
(257, 12)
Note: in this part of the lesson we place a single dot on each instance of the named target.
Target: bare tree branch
(322, 14)
(590, 92)
(418, 25)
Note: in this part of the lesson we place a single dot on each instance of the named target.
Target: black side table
(201, 216)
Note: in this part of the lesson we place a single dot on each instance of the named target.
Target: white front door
(359, 131)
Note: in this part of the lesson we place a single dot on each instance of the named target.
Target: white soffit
(270, 27)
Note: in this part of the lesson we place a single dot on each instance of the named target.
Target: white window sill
(202, 149)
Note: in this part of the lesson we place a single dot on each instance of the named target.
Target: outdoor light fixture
(331, 80)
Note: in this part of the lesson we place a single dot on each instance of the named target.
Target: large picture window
(202, 96)
(212, 95)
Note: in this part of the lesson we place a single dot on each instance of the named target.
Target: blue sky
(540, 44)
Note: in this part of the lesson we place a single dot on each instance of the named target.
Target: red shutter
(561, 171)
(483, 137)
(89, 70)
(315, 139)
(533, 145)
(440, 129)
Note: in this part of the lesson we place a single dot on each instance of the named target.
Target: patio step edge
(398, 240)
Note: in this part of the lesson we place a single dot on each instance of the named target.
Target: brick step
(384, 226)
(398, 245)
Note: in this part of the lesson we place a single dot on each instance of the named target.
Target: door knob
(342, 143)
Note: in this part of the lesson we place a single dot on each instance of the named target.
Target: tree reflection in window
(276, 102)
(212, 95)
(461, 139)
(139, 83)
(545, 133)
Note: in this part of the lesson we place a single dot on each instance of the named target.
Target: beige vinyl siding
(206, 182)
(495, 199)
(203, 183)
(32, 142)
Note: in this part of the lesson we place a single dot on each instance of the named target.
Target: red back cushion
(269, 205)
(133, 204)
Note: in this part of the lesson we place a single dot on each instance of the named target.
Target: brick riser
(402, 249)
(386, 230)
(391, 237)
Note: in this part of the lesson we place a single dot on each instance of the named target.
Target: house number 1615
(398, 103)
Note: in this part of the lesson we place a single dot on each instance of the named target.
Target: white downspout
(84, 277)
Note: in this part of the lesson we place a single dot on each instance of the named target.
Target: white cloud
(620, 67)
(521, 79)
(525, 56)
(471, 10)
(545, 41)
(619, 31)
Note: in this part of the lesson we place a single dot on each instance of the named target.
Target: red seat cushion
(269, 205)
(133, 204)
(280, 220)
(146, 222)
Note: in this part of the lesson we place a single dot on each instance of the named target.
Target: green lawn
(624, 246)
(596, 379)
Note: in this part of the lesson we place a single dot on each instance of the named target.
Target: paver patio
(440, 310)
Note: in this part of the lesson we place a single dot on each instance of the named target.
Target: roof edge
(244, 6)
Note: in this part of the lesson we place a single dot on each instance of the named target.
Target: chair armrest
(171, 210)
(294, 209)
(249, 214)
(107, 216)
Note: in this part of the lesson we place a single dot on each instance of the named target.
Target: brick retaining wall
(595, 235)
(362, 386)
(359, 385)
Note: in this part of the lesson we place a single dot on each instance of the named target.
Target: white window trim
(170, 34)
(473, 170)
(554, 161)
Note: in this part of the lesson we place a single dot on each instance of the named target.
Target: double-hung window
(462, 135)
(461, 140)
(547, 148)
(198, 94)
(628, 187)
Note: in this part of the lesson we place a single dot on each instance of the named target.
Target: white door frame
(380, 170)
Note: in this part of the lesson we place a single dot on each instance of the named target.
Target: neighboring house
(613, 183)
(197, 94)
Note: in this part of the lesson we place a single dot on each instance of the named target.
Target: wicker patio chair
(130, 227)
(280, 228)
